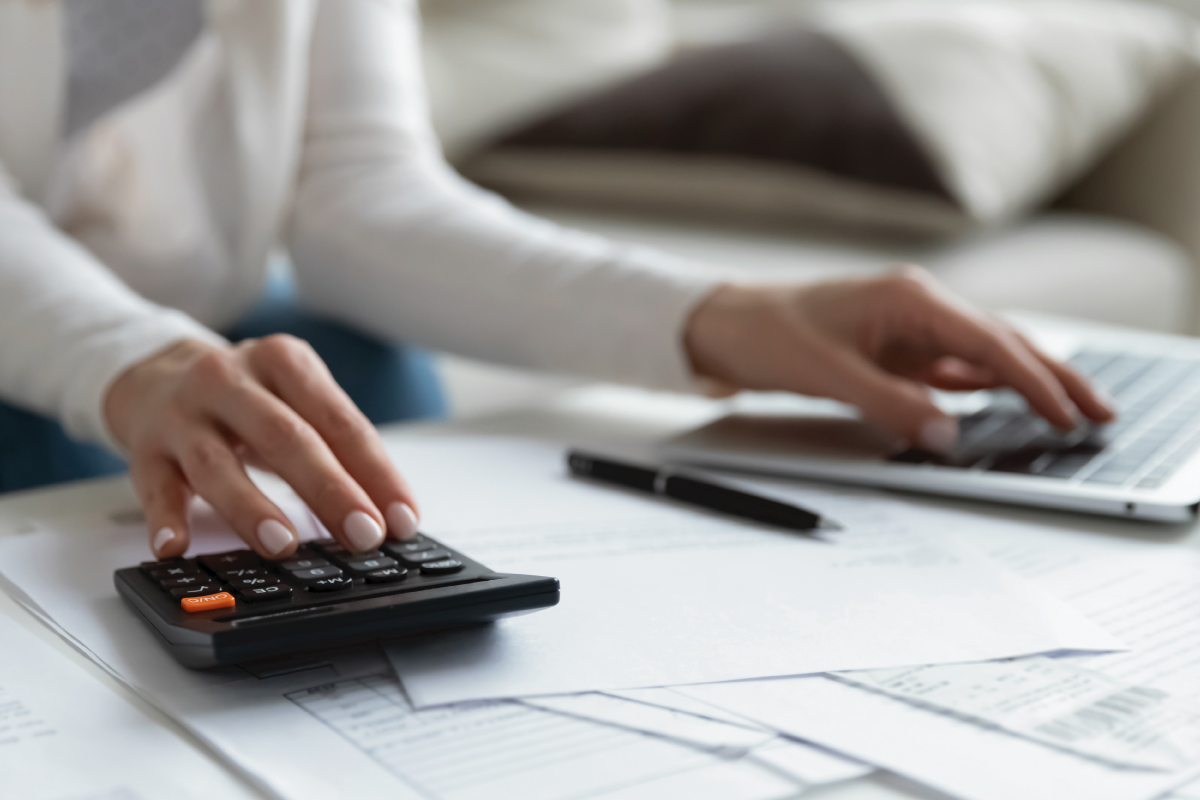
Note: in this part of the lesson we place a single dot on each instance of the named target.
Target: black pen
(697, 492)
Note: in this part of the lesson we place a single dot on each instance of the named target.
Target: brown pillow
(789, 125)
(923, 116)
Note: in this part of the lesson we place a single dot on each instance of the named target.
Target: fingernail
(161, 539)
(939, 435)
(274, 536)
(362, 531)
(402, 520)
(1105, 398)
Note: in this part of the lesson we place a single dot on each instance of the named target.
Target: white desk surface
(622, 419)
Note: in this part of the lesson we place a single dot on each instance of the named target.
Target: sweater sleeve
(68, 326)
(384, 235)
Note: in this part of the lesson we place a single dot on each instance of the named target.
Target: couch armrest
(1153, 175)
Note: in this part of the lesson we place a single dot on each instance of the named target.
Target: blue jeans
(389, 382)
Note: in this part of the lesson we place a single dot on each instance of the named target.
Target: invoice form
(1147, 594)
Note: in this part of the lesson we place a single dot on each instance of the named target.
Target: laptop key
(1021, 462)
(1112, 474)
(1066, 464)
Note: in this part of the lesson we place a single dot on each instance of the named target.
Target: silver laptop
(1145, 465)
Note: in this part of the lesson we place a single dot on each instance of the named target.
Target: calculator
(234, 607)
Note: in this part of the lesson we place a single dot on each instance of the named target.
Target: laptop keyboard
(1157, 431)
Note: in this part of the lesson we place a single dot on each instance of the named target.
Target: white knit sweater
(302, 123)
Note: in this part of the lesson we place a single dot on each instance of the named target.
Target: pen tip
(830, 525)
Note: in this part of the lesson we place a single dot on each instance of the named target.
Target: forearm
(69, 327)
(385, 236)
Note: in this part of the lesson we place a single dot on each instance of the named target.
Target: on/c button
(218, 600)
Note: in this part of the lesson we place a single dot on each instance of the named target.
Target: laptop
(1146, 465)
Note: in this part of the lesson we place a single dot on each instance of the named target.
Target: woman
(304, 123)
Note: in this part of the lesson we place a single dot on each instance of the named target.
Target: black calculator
(230, 608)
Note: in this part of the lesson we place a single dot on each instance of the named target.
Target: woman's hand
(193, 415)
(878, 343)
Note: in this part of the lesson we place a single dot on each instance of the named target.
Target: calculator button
(444, 567)
(365, 565)
(292, 565)
(343, 555)
(333, 584)
(196, 591)
(410, 546)
(423, 557)
(185, 581)
(389, 575)
(317, 573)
(250, 583)
(241, 573)
(218, 600)
(177, 571)
(150, 566)
(259, 594)
(237, 558)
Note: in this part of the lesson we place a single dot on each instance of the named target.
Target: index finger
(1094, 404)
(999, 349)
(301, 380)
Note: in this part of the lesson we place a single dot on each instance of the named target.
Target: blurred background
(1033, 154)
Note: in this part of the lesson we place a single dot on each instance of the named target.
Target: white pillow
(1008, 101)
(1015, 100)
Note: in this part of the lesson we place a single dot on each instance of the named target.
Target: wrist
(734, 319)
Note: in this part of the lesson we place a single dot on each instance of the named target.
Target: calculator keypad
(319, 568)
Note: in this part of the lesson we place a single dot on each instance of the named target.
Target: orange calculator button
(218, 600)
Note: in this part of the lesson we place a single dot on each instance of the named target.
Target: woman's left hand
(880, 343)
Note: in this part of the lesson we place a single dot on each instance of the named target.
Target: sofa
(1120, 244)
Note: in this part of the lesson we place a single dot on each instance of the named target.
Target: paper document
(64, 735)
(506, 749)
(698, 597)
(282, 728)
(668, 723)
(1189, 791)
(1147, 594)
(668, 718)
(1056, 702)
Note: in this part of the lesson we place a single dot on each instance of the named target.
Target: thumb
(898, 405)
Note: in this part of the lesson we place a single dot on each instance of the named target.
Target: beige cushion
(1071, 264)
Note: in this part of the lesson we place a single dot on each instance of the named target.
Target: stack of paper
(1105, 727)
(571, 702)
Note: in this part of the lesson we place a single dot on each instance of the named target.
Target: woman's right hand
(194, 415)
